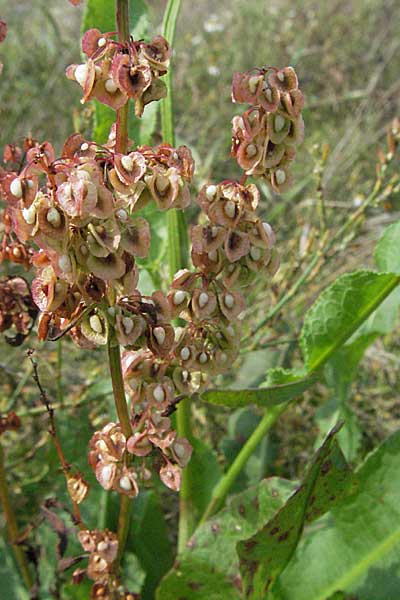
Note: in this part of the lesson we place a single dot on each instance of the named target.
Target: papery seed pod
(285, 79)
(236, 245)
(126, 483)
(77, 487)
(139, 444)
(94, 327)
(231, 304)
(171, 476)
(161, 339)
(203, 303)
(181, 451)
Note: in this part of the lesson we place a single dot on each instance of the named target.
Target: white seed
(53, 217)
(229, 300)
(268, 94)
(64, 263)
(255, 253)
(83, 249)
(268, 229)
(280, 76)
(230, 209)
(230, 331)
(279, 123)
(253, 82)
(179, 297)
(122, 214)
(134, 384)
(107, 472)
(213, 255)
(95, 324)
(211, 190)
(280, 176)
(231, 268)
(80, 74)
(127, 163)
(203, 299)
(111, 86)
(251, 150)
(101, 42)
(162, 183)
(29, 214)
(185, 353)
(111, 311)
(16, 188)
(125, 483)
(17, 253)
(159, 394)
(185, 376)
(83, 175)
(127, 324)
(102, 546)
(179, 450)
(30, 184)
(203, 358)
(223, 357)
(159, 334)
(84, 146)
(214, 231)
(98, 72)
(178, 333)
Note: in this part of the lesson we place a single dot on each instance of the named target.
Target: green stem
(114, 358)
(225, 483)
(178, 259)
(122, 18)
(12, 526)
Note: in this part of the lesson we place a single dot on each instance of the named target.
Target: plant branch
(53, 432)
(12, 526)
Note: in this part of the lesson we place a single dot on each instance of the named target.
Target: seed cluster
(264, 137)
(72, 219)
(17, 309)
(115, 72)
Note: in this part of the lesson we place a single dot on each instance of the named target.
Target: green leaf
(266, 396)
(100, 14)
(208, 569)
(205, 473)
(148, 539)
(264, 555)
(340, 310)
(356, 549)
(387, 255)
(339, 374)
(11, 583)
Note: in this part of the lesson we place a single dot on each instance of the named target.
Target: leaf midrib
(359, 568)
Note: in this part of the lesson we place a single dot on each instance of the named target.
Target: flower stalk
(114, 355)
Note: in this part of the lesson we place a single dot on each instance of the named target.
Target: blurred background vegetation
(347, 56)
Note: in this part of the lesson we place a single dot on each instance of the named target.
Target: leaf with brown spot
(328, 475)
(211, 560)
